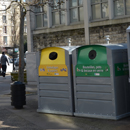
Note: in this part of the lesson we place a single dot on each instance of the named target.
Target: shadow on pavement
(29, 119)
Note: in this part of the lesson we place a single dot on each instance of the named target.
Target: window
(3, 8)
(25, 20)
(58, 13)
(99, 9)
(5, 29)
(76, 11)
(5, 40)
(25, 28)
(41, 16)
(121, 7)
(4, 18)
(12, 30)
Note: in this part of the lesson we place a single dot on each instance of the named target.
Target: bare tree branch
(22, 7)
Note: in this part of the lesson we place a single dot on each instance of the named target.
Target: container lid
(69, 48)
(17, 83)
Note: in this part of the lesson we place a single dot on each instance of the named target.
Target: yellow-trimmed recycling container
(55, 90)
(101, 88)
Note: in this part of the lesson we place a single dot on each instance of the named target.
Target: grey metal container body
(32, 63)
(128, 47)
(103, 97)
(55, 94)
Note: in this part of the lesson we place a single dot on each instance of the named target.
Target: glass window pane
(4, 18)
(95, 1)
(5, 40)
(62, 17)
(45, 20)
(119, 8)
(96, 11)
(74, 15)
(105, 10)
(81, 14)
(55, 4)
(5, 29)
(104, 0)
(73, 3)
(3, 7)
(55, 1)
(80, 2)
(25, 28)
(63, 4)
(56, 18)
(38, 9)
(127, 6)
(38, 21)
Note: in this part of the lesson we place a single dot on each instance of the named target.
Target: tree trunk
(21, 47)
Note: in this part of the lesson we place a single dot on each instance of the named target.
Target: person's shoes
(4, 78)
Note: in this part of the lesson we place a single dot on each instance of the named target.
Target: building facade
(9, 25)
(5, 24)
(84, 21)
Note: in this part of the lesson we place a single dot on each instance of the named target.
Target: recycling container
(128, 48)
(55, 90)
(101, 87)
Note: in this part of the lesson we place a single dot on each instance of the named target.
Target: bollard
(18, 98)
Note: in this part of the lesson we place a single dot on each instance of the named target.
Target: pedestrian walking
(3, 61)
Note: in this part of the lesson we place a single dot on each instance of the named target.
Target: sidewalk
(29, 119)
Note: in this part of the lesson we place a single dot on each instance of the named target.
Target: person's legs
(3, 70)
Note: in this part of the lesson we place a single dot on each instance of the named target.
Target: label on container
(121, 69)
(53, 70)
(92, 70)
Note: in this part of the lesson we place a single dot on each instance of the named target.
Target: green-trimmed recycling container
(101, 88)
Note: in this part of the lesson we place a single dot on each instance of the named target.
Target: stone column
(49, 16)
(111, 9)
(67, 13)
(87, 13)
(30, 27)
